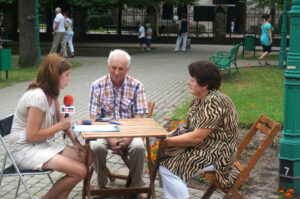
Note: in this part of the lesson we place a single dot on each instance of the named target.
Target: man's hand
(123, 143)
(114, 146)
(118, 145)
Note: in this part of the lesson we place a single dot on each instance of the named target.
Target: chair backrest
(150, 109)
(5, 125)
(234, 51)
(263, 125)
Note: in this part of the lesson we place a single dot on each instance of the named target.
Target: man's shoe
(141, 196)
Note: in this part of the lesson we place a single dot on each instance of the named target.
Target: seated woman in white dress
(36, 121)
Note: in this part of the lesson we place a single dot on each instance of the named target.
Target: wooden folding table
(136, 127)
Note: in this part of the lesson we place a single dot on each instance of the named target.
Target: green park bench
(224, 59)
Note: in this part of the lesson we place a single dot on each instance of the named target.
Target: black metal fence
(106, 23)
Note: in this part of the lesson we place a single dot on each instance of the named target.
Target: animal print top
(216, 111)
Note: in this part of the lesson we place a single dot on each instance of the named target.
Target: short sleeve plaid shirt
(107, 101)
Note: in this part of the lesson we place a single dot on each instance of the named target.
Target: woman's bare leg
(70, 163)
(263, 56)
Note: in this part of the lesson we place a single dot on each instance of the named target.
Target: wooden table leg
(158, 156)
(86, 183)
(151, 186)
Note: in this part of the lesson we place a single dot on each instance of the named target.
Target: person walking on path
(183, 33)
(59, 33)
(266, 38)
(148, 37)
(141, 35)
(69, 33)
(118, 95)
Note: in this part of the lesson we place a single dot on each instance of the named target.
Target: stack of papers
(95, 128)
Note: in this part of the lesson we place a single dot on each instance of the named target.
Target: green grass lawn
(247, 57)
(256, 90)
(20, 75)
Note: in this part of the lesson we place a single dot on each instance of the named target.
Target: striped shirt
(107, 101)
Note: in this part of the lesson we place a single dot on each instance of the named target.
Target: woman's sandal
(259, 61)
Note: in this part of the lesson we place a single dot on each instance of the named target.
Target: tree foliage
(271, 4)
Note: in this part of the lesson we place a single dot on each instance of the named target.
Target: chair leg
(3, 167)
(237, 69)
(17, 190)
(50, 179)
(232, 79)
(25, 185)
(209, 192)
(109, 175)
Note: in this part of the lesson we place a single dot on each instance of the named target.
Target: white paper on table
(95, 128)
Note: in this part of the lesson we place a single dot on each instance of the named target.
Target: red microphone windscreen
(68, 100)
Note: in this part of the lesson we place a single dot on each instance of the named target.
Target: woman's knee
(81, 171)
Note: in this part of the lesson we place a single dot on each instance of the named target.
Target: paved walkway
(164, 75)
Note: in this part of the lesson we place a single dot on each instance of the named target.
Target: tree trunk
(28, 54)
(220, 22)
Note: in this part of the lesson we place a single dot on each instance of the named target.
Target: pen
(117, 123)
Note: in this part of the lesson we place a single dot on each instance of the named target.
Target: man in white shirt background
(141, 35)
(58, 33)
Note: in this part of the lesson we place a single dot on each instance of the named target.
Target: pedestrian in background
(69, 33)
(266, 38)
(141, 35)
(148, 37)
(59, 33)
(183, 33)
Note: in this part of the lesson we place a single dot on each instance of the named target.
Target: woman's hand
(65, 123)
(78, 147)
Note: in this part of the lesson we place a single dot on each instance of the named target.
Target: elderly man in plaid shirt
(118, 95)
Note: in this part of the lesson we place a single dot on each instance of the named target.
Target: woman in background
(69, 33)
(266, 38)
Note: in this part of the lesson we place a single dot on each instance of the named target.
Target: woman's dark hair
(266, 16)
(206, 73)
(49, 73)
(66, 13)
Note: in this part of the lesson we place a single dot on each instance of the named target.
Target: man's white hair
(58, 10)
(119, 53)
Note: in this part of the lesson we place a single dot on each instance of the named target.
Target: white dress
(32, 155)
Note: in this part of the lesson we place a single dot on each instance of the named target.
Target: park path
(164, 75)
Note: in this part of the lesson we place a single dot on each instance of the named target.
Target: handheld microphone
(67, 109)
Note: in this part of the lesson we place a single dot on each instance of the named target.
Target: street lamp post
(289, 172)
(282, 54)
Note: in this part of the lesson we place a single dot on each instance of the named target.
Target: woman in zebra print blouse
(211, 141)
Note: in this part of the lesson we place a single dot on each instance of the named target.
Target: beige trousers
(58, 39)
(136, 152)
